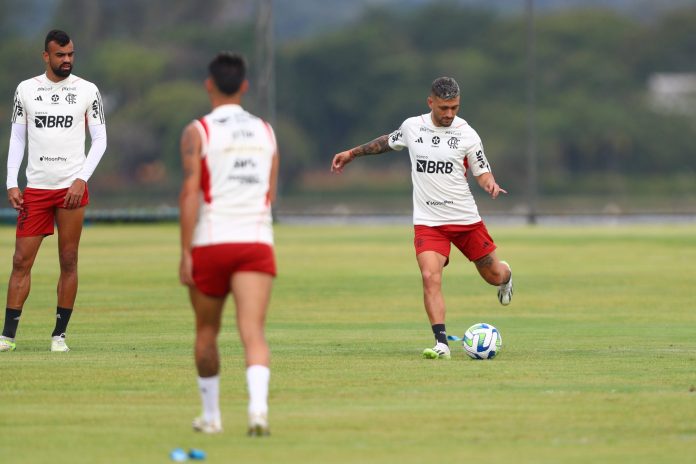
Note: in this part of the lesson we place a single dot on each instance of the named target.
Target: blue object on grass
(178, 455)
(196, 454)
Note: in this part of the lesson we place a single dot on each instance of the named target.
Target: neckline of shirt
(46, 80)
(427, 117)
(228, 106)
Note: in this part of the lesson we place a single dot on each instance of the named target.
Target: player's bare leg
(26, 249)
(208, 312)
(69, 224)
(252, 294)
(492, 269)
(496, 272)
(431, 265)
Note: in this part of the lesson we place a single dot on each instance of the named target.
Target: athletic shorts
(39, 213)
(472, 240)
(214, 265)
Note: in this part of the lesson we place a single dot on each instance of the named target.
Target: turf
(598, 361)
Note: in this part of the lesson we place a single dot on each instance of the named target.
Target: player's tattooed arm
(190, 146)
(375, 147)
(190, 152)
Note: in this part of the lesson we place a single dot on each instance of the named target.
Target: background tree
(600, 133)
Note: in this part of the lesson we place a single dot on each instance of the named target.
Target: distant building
(673, 93)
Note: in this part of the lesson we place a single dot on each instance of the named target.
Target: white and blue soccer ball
(482, 341)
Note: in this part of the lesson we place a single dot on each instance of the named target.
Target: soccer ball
(482, 341)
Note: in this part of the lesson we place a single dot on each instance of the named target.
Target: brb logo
(53, 121)
(434, 167)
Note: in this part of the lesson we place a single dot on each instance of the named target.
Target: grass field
(598, 363)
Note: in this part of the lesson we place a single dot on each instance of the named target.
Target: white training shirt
(237, 155)
(55, 114)
(440, 158)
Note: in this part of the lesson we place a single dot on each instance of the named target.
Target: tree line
(597, 127)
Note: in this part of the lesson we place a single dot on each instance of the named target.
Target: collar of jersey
(429, 122)
(228, 107)
(46, 80)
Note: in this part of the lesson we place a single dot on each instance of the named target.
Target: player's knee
(206, 346)
(206, 334)
(431, 279)
(68, 260)
(21, 263)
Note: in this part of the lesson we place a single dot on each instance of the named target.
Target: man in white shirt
(442, 148)
(230, 164)
(51, 111)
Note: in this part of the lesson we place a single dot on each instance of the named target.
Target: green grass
(598, 362)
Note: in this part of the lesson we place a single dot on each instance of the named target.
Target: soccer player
(443, 147)
(230, 167)
(53, 110)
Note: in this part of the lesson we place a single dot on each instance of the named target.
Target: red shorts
(214, 265)
(472, 240)
(39, 213)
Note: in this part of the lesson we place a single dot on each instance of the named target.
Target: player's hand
(73, 197)
(14, 196)
(494, 190)
(186, 269)
(340, 160)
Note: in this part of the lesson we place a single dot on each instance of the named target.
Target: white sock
(210, 397)
(257, 384)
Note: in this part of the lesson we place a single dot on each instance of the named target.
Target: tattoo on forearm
(375, 147)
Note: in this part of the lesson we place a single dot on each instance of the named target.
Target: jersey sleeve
(477, 159)
(95, 112)
(396, 139)
(15, 154)
(19, 115)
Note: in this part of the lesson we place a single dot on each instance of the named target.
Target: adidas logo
(419, 140)
(38, 99)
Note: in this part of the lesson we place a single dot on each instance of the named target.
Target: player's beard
(445, 122)
(62, 71)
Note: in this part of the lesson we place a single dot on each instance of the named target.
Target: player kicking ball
(443, 148)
